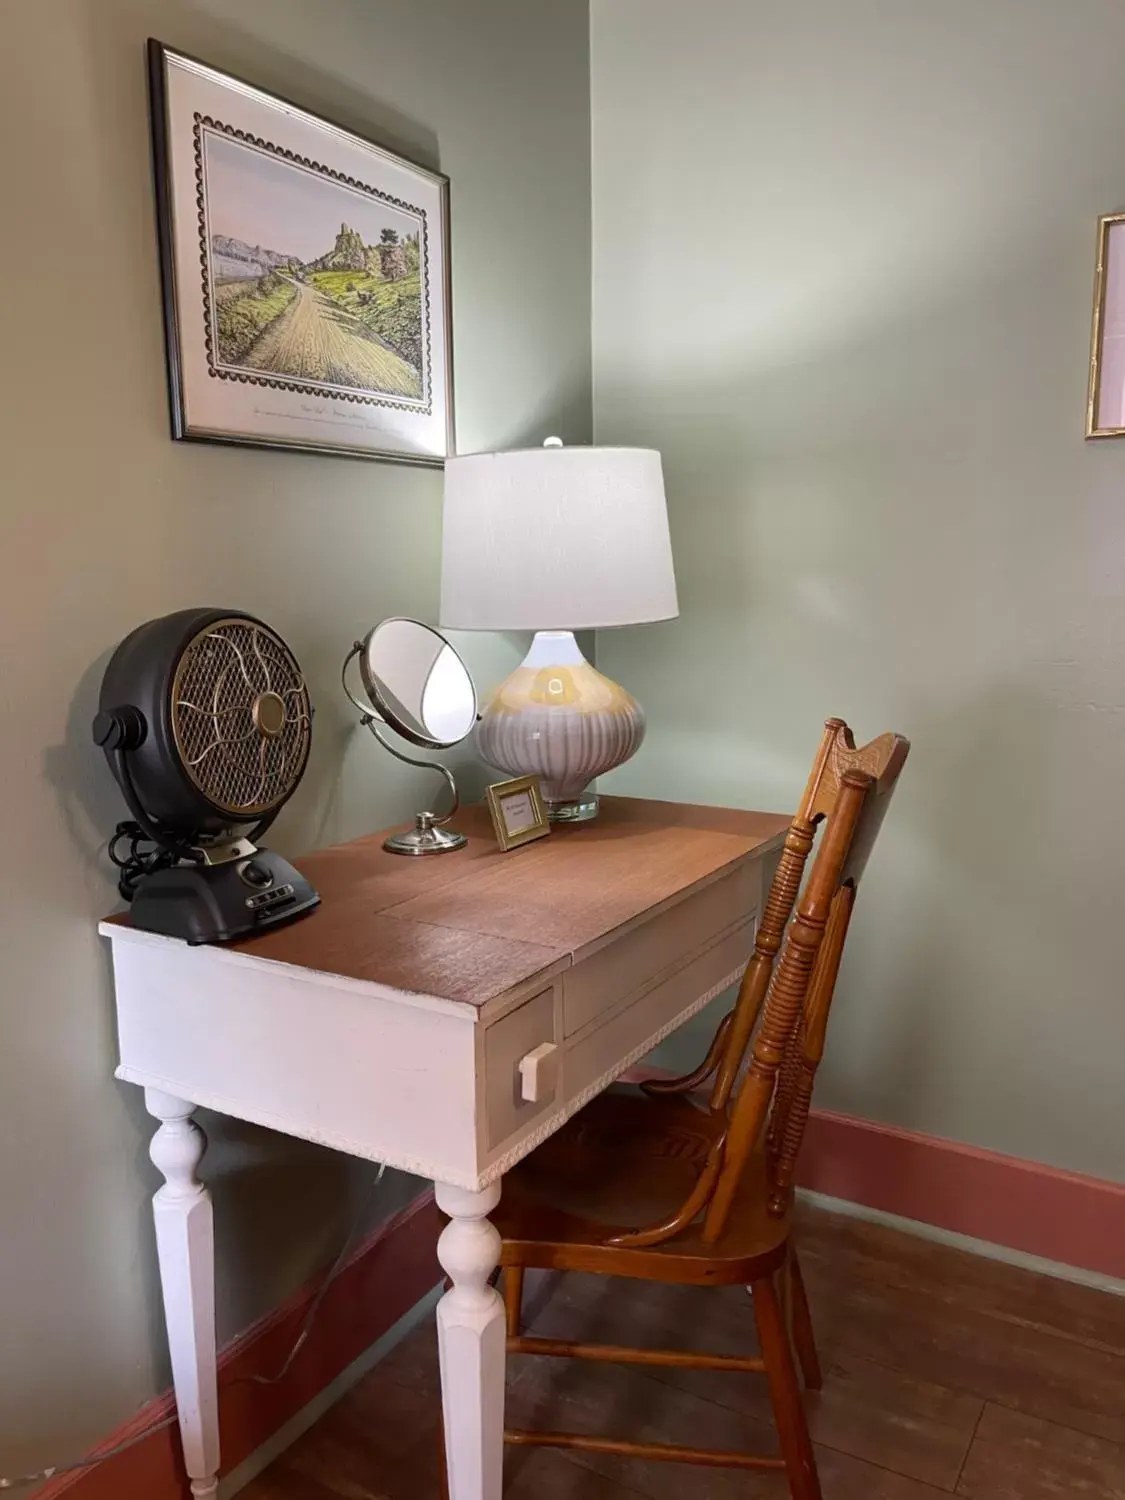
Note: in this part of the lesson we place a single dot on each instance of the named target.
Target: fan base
(222, 903)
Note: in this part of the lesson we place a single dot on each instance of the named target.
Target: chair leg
(513, 1298)
(785, 1393)
(803, 1338)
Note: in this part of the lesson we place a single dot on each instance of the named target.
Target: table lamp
(555, 540)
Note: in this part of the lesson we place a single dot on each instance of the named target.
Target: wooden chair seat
(623, 1163)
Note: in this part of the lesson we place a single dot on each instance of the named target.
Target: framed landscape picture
(305, 273)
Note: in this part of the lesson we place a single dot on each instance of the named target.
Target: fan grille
(241, 718)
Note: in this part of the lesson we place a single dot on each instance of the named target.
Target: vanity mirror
(416, 684)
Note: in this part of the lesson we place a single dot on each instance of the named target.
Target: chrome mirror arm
(370, 722)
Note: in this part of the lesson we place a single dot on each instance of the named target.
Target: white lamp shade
(556, 539)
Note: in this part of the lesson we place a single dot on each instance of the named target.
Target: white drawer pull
(539, 1073)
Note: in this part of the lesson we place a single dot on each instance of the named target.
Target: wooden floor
(944, 1374)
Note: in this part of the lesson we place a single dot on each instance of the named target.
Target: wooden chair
(664, 1187)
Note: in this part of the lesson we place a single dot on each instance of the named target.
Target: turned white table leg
(185, 1247)
(471, 1342)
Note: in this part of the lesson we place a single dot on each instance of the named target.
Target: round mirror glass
(418, 683)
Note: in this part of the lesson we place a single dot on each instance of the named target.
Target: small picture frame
(519, 814)
(1105, 404)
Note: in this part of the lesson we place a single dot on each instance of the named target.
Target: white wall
(843, 262)
(106, 522)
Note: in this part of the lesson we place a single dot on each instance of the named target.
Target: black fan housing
(206, 722)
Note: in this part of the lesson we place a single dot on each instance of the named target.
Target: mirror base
(424, 838)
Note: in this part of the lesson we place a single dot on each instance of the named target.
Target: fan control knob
(122, 728)
(256, 874)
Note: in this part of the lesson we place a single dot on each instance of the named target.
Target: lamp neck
(554, 648)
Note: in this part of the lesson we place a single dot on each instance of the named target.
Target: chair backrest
(848, 791)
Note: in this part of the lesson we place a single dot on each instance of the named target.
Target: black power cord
(146, 855)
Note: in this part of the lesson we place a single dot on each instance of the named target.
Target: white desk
(443, 1015)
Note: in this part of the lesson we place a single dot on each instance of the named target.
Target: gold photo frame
(518, 812)
(1105, 398)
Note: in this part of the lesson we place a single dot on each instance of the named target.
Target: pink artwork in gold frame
(1105, 405)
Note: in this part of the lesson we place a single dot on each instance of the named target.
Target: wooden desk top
(473, 924)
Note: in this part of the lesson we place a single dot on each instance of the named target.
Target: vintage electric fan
(206, 722)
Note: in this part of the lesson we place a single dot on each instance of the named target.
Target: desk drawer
(609, 977)
(588, 1060)
(507, 1042)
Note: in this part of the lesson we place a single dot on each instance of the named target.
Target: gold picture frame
(518, 812)
(1108, 323)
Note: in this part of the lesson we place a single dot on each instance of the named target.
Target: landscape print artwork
(305, 273)
(311, 280)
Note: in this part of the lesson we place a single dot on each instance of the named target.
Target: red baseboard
(1020, 1205)
(391, 1271)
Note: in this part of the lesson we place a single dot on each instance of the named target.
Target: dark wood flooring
(944, 1374)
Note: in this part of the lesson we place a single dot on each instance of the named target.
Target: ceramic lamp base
(561, 719)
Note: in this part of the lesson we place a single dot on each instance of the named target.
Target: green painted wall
(105, 523)
(843, 264)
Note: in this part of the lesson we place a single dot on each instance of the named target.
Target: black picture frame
(311, 410)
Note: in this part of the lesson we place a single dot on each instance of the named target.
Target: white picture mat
(518, 812)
